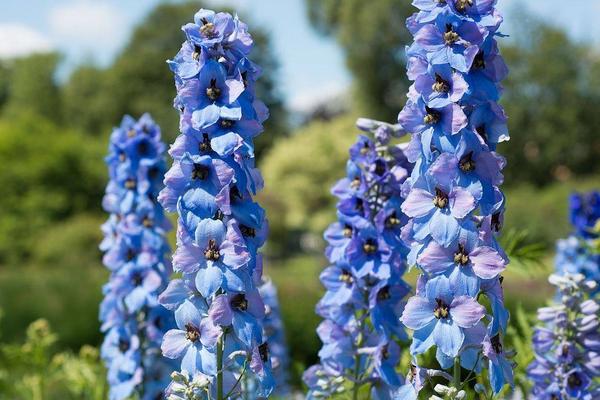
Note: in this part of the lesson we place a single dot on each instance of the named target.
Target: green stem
(356, 375)
(457, 372)
(220, 367)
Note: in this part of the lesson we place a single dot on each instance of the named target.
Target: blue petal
(209, 280)
(448, 337)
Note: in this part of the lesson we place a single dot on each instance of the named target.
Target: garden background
(57, 111)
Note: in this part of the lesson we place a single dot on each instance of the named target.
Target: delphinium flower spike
(584, 213)
(454, 202)
(218, 341)
(578, 253)
(135, 248)
(364, 287)
(567, 346)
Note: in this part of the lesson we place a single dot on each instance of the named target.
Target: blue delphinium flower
(219, 342)
(567, 345)
(584, 213)
(453, 199)
(275, 335)
(575, 255)
(134, 249)
(364, 288)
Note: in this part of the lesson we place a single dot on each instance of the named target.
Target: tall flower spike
(218, 342)
(134, 249)
(578, 254)
(364, 287)
(584, 213)
(454, 202)
(567, 345)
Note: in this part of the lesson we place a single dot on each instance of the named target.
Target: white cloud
(18, 40)
(306, 100)
(88, 25)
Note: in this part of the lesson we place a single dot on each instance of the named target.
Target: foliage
(552, 105)
(373, 36)
(49, 174)
(31, 87)
(33, 371)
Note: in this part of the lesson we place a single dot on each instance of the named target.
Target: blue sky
(312, 66)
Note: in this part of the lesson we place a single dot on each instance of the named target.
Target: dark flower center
(432, 117)
(482, 132)
(441, 199)
(200, 172)
(462, 5)
(196, 53)
(122, 157)
(370, 246)
(263, 350)
(239, 302)
(355, 184)
(130, 254)
(226, 123)
(450, 37)
(365, 149)
(234, 194)
(347, 231)
(385, 352)
(131, 133)
(466, 163)
(212, 251)
(496, 223)
(204, 145)
(245, 78)
(130, 184)
(479, 60)
(247, 231)
(380, 167)
(574, 380)
(496, 344)
(565, 350)
(346, 277)
(218, 215)
(360, 205)
(123, 345)
(192, 333)
(207, 29)
(137, 279)
(461, 257)
(440, 85)
(392, 221)
(441, 310)
(384, 294)
(213, 92)
(147, 222)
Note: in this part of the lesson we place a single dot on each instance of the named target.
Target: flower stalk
(134, 249)
(361, 333)
(454, 201)
(217, 305)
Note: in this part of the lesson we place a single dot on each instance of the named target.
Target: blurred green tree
(140, 81)
(300, 171)
(48, 174)
(552, 100)
(373, 36)
(32, 87)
